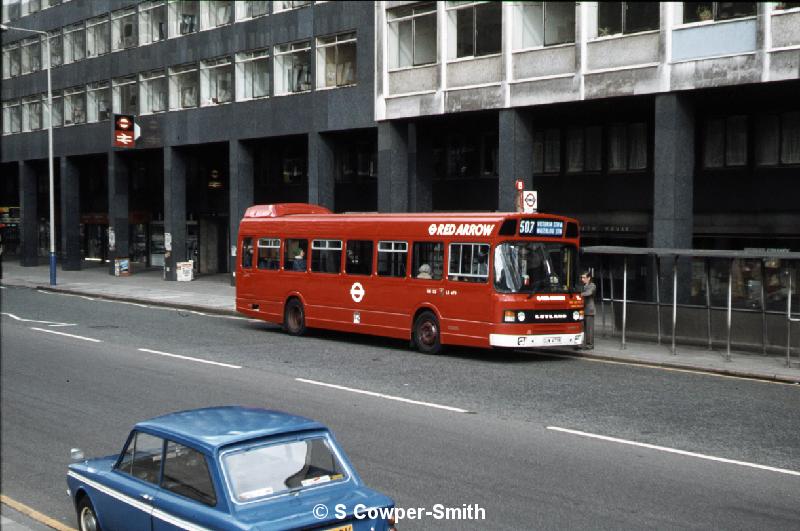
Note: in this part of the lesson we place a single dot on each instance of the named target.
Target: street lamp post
(4, 27)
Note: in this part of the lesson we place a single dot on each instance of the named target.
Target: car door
(127, 501)
(187, 498)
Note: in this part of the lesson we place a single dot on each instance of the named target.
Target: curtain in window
(714, 145)
(559, 22)
(575, 149)
(425, 39)
(593, 149)
(790, 144)
(552, 151)
(736, 141)
(767, 134)
(538, 152)
(528, 26)
(637, 146)
(405, 43)
(617, 147)
(346, 64)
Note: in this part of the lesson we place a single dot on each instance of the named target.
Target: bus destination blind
(553, 228)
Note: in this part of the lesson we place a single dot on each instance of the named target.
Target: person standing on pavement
(587, 293)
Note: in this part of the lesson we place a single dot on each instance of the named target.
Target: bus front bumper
(536, 340)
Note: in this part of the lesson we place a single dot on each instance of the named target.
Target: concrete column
(117, 208)
(320, 170)
(515, 156)
(174, 210)
(393, 175)
(673, 171)
(70, 215)
(29, 217)
(420, 164)
(240, 159)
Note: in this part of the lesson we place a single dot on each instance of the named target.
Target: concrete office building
(663, 124)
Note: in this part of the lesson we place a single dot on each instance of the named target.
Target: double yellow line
(34, 514)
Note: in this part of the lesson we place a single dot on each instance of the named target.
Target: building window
(725, 142)
(99, 95)
(74, 43)
(252, 75)
(392, 258)
(336, 60)
(216, 13)
(293, 67)
(250, 9)
(11, 61)
(703, 11)
(216, 76)
(123, 29)
(547, 151)
(412, 35)
(75, 106)
(12, 117)
(126, 95)
(186, 16)
(539, 24)
(277, 7)
(356, 162)
(626, 17)
(584, 149)
(152, 22)
(11, 10)
(31, 55)
(469, 262)
(56, 48)
(478, 28)
(778, 139)
(183, 87)
(32, 113)
(30, 6)
(627, 147)
(98, 36)
(58, 110)
(153, 87)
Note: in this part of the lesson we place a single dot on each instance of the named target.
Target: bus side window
(269, 253)
(359, 257)
(326, 256)
(469, 262)
(295, 252)
(247, 252)
(427, 261)
(392, 257)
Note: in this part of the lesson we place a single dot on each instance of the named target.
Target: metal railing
(657, 254)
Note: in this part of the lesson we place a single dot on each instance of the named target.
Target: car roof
(214, 427)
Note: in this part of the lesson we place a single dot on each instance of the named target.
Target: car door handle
(146, 497)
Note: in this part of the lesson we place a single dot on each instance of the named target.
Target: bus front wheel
(426, 333)
(294, 318)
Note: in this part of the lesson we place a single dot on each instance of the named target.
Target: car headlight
(508, 316)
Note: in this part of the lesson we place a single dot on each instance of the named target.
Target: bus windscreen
(535, 267)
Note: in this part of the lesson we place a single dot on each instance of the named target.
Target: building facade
(671, 124)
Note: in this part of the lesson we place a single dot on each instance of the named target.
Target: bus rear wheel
(427, 338)
(294, 318)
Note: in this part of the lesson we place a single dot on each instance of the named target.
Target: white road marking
(24, 320)
(381, 395)
(189, 358)
(675, 451)
(67, 335)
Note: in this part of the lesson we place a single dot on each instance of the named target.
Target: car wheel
(87, 518)
(294, 318)
(427, 337)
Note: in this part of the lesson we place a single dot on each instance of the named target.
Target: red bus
(480, 279)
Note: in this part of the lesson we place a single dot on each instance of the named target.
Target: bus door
(390, 292)
(357, 282)
(245, 290)
(267, 270)
(467, 293)
(326, 298)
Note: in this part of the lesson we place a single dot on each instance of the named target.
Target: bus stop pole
(730, 307)
(624, 298)
(707, 266)
(763, 307)
(658, 296)
(611, 283)
(602, 301)
(674, 300)
(789, 320)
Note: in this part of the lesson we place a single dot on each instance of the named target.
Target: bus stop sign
(529, 201)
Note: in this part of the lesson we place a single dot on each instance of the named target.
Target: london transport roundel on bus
(357, 291)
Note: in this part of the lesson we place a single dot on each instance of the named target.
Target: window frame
(271, 243)
(287, 259)
(425, 10)
(240, 11)
(92, 26)
(453, 8)
(27, 57)
(209, 67)
(519, 7)
(175, 90)
(326, 245)
(206, 461)
(118, 23)
(432, 263)
(395, 247)
(116, 97)
(247, 250)
(92, 90)
(279, 55)
(714, 15)
(70, 42)
(725, 166)
(623, 25)
(27, 104)
(132, 437)
(241, 62)
(453, 277)
(146, 20)
(68, 93)
(372, 260)
(348, 37)
(145, 79)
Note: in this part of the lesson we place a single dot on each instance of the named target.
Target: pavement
(214, 294)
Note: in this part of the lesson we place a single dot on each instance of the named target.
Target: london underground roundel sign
(357, 291)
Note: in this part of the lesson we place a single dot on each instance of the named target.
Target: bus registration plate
(554, 340)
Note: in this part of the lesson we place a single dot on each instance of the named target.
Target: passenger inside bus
(299, 263)
(424, 272)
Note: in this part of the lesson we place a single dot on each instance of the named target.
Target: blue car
(226, 468)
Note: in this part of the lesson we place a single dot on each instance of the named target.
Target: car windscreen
(265, 470)
(535, 267)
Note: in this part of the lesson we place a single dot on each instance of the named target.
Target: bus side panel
(466, 309)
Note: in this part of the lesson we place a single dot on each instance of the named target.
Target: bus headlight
(508, 316)
(577, 316)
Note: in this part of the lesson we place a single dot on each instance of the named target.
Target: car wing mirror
(76, 454)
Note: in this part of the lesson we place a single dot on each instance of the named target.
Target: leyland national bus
(473, 279)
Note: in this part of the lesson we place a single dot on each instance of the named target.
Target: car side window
(186, 474)
(142, 457)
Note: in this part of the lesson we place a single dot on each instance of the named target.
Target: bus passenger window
(427, 261)
(295, 252)
(359, 257)
(269, 253)
(326, 256)
(469, 262)
(247, 252)
(392, 259)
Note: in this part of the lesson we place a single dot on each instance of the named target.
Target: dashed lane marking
(24, 320)
(189, 358)
(84, 338)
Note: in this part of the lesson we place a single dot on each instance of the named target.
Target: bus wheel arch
(426, 334)
(294, 316)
